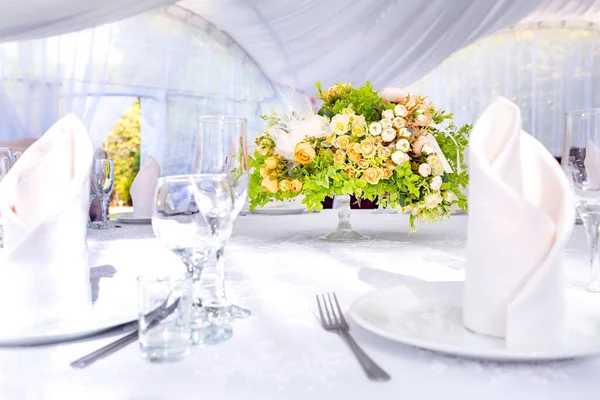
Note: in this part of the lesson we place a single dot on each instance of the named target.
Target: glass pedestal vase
(344, 232)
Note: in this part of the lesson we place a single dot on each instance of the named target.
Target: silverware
(156, 316)
(336, 323)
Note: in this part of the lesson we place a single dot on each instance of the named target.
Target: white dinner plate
(279, 210)
(129, 218)
(429, 316)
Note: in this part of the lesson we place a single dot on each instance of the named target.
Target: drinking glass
(581, 162)
(222, 149)
(179, 226)
(6, 152)
(164, 313)
(103, 178)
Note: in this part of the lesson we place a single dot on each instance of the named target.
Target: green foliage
(364, 101)
(122, 145)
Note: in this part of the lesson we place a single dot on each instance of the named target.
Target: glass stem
(592, 224)
(220, 276)
(344, 213)
(104, 203)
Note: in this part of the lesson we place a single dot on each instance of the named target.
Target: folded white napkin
(142, 188)
(521, 214)
(44, 269)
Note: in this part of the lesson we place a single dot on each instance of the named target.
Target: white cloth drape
(388, 43)
(42, 18)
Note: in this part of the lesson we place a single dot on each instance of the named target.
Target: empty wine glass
(222, 149)
(103, 179)
(178, 224)
(581, 162)
(216, 202)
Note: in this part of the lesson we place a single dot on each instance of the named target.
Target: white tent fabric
(42, 18)
(386, 42)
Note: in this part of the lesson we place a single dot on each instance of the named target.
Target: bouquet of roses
(392, 147)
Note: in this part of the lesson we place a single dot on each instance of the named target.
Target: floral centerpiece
(392, 147)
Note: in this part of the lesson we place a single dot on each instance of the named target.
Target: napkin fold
(142, 188)
(44, 267)
(521, 214)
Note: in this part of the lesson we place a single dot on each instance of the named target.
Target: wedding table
(275, 266)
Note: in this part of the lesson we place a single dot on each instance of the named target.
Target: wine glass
(5, 163)
(222, 149)
(103, 179)
(178, 224)
(581, 162)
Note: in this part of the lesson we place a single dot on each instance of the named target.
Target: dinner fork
(335, 322)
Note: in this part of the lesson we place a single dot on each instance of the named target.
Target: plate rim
(289, 211)
(494, 354)
(128, 218)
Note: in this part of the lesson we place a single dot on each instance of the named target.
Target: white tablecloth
(275, 266)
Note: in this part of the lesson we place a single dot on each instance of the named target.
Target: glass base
(160, 354)
(345, 236)
(226, 312)
(209, 334)
(101, 225)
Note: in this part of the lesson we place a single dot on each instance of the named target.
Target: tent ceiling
(386, 42)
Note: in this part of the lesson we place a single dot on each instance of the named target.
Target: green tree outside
(122, 145)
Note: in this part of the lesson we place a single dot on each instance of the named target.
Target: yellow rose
(339, 156)
(284, 185)
(353, 152)
(342, 142)
(269, 184)
(271, 162)
(304, 153)
(330, 138)
(384, 153)
(351, 174)
(363, 163)
(387, 173)
(295, 185)
(340, 124)
(348, 111)
(357, 130)
(367, 148)
(373, 175)
(264, 171)
(331, 94)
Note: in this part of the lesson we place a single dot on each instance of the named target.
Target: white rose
(424, 169)
(403, 145)
(375, 129)
(436, 183)
(437, 168)
(398, 122)
(394, 95)
(399, 157)
(404, 132)
(385, 123)
(389, 114)
(388, 134)
(359, 120)
(400, 110)
(448, 196)
(432, 200)
(428, 148)
(340, 124)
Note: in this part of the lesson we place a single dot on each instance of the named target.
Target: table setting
(196, 294)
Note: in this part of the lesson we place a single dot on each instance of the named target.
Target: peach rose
(353, 152)
(384, 153)
(373, 175)
(269, 184)
(363, 163)
(304, 153)
(284, 185)
(295, 185)
(264, 171)
(339, 156)
(423, 120)
(367, 148)
(394, 95)
(271, 162)
(387, 172)
(351, 174)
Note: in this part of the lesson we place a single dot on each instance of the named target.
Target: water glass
(164, 312)
(222, 148)
(103, 181)
(581, 162)
(180, 227)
